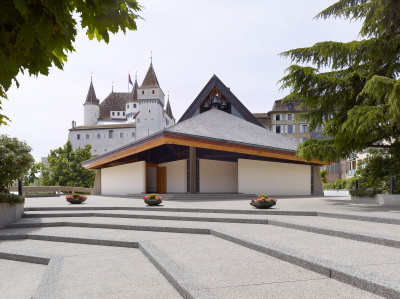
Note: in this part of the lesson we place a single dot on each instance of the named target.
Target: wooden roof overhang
(125, 153)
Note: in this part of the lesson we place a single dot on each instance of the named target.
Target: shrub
(11, 199)
(364, 192)
(152, 196)
(262, 195)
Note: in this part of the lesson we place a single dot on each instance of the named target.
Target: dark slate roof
(282, 106)
(98, 127)
(216, 82)
(168, 109)
(116, 101)
(221, 126)
(218, 125)
(91, 96)
(151, 79)
(261, 115)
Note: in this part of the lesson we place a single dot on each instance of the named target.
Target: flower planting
(263, 202)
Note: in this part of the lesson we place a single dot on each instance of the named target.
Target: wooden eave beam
(167, 138)
(232, 147)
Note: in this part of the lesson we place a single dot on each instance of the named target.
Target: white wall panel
(218, 176)
(273, 178)
(124, 179)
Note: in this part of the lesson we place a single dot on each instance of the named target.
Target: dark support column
(192, 169)
(19, 187)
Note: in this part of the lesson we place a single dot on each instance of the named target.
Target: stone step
(227, 269)
(200, 196)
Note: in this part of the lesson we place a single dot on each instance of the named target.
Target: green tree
(15, 160)
(65, 167)
(358, 98)
(36, 34)
(31, 177)
(382, 164)
(324, 172)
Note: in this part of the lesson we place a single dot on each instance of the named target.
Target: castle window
(277, 117)
(87, 136)
(167, 121)
(153, 91)
(121, 135)
(142, 91)
(278, 129)
(111, 134)
(134, 105)
(133, 134)
(113, 113)
(123, 113)
(149, 111)
(127, 106)
(98, 136)
(78, 136)
(118, 113)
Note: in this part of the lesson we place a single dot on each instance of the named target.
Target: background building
(122, 117)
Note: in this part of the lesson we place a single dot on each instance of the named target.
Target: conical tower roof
(91, 96)
(134, 93)
(151, 79)
(168, 109)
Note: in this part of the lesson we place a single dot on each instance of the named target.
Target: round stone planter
(153, 202)
(263, 205)
(75, 200)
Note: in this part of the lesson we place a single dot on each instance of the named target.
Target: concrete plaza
(116, 247)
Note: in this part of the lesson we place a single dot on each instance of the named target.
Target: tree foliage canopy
(15, 160)
(65, 167)
(36, 34)
(358, 99)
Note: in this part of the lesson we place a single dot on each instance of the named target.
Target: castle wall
(100, 139)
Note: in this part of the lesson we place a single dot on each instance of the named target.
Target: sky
(190, 41)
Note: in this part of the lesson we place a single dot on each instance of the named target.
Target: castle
(122, 117)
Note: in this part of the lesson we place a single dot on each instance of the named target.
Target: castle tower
(151, 105)
(91, 107)
(132, 107)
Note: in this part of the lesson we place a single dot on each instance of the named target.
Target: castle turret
(132, 107)
(151, 105)
(91, 107)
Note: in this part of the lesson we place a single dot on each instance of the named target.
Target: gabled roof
(215, 130)
(168, 109)
(116, 101)
(219, 125)
(151, 79)
(216, 82)
(91, 96)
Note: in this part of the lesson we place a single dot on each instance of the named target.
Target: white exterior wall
(218, 176)
(104, 144)
(273, 178)
(124, 179)
(176, 176)
(131, 111)
(91, 113)
(147, 93)
(150, 118)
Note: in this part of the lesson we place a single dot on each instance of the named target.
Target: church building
(218, 146)
(123, 117)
